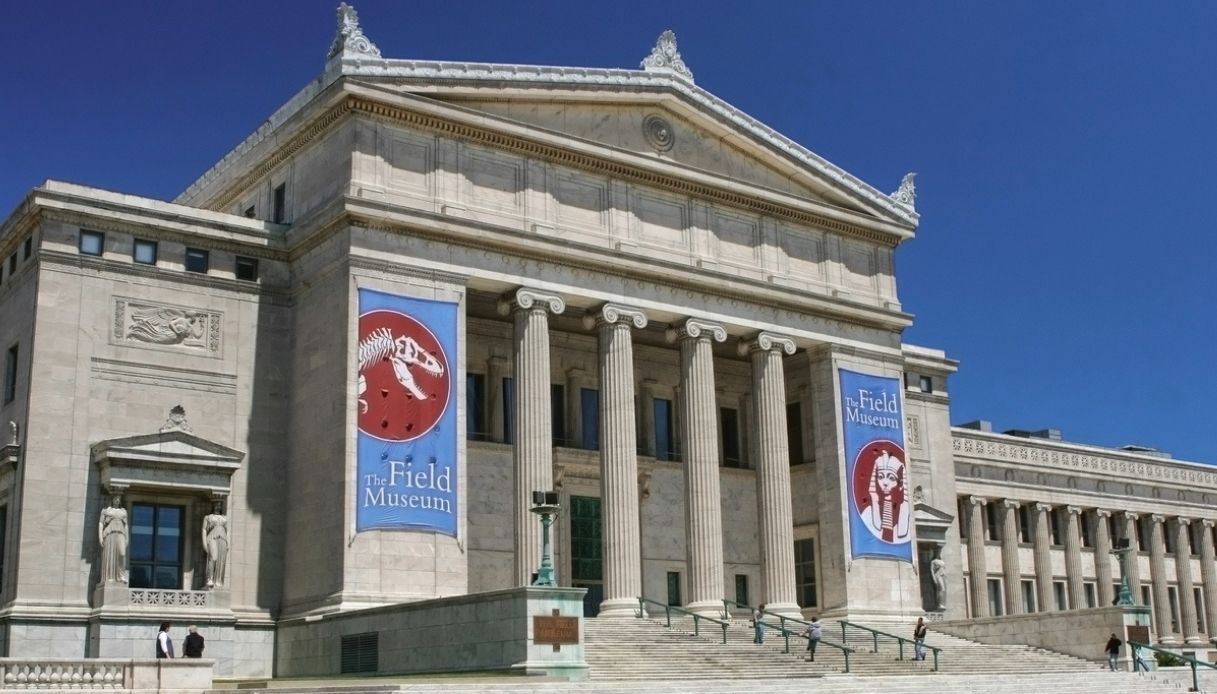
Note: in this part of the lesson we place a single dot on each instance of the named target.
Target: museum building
(330, 375)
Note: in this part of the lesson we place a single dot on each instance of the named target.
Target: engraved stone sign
(1137, 633)
(555, 629)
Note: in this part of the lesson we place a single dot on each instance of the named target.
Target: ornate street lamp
(545, 505)
(1121, 550)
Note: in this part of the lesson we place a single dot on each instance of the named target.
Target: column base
(707, 608)
(616, 608)
(786, 609)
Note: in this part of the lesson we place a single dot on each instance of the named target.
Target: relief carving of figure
(112, 534)
(938, 571)
(166, 326)
(215, 544)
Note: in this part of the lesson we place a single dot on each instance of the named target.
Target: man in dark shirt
(1113, 651)
(193, 648)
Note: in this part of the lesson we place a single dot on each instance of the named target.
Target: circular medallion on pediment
(658, 132)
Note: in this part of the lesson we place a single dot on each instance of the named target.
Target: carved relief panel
(167, 327)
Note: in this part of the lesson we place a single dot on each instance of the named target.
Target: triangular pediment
(932, 523)
(169, 459)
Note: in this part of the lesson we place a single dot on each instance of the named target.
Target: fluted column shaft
(1183, 572)
(1073, 558)
(1011, 575)
(699, 433)
(1157, 575)
(1208, 576)
(1102, 557)
(618, 459)
(1133, 563)
(1043, 559)
(773, 471)
(532, 452)
(976, 557)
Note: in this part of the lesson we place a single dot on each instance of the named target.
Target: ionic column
(1102, 557)
(1073, 558)
(618, 459)
(1157, 576)
(773, 470)
(1183, 571)
(976, 556)
(699, 432)
(532, 452)
(1011, 575)
(1133, 563)
(1043, 559)
(1208, 575)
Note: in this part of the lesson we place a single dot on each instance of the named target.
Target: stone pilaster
(618, 459)
(1133, 564)
(1011, 575)
(773, 470)
(532, 452)
(1073, 558)
(1157, 576)
(1102, 557)
(978, 574)
(699, 434)
(1044, 598)
(1183, 572)
(1208, 575)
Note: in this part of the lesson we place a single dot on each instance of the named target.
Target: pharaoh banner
(876, 472)
(407, 443)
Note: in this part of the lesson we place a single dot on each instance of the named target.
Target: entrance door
(586, 561)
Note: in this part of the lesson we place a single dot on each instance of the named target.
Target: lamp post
(545, 505)
(1121, 551)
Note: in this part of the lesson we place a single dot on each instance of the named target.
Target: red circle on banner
(864, 479)
(404, 377)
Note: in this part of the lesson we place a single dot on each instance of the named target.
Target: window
(1197, 596)
(156, 546)
(587, 563)
(1142, 533)
(1168, 539)
(794, 432)
(92, 242)
(1024, 525)
(1028, 596)
(992, 527)
(728, 421)
(674, 589)
(1058, 589)
(1146, 596)
(475, 407)
(741, 589)
(509, 409)
(662, 410)
(589, 401)
(1084, 528)
(1172, 597)
(557, 414)
(805, 572)
(12, 263)
(1092, 599)
(961, 510)
(27, 248)
(197, 260)
(995, 599)
(247, 269)
(144, 252)
(10, 375)
(926, 384)
(280, 204)
(1054, 526)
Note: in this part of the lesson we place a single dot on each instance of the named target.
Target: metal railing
(668, 609)
(900, 640)
(786, 632)
(1186, 658)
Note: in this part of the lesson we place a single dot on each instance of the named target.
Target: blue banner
(407, 447)
(876, 473)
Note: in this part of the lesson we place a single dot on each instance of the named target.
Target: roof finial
(906, 194)
(665, 58)
(349, 41)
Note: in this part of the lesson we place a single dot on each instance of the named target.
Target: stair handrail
(900, 640)
(1189, 659)
(642, 605)
(787, 633)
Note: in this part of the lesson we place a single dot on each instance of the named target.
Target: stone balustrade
(183, 675)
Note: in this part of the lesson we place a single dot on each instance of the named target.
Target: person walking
(164, 642)
(1113, 651)
(813, 632)
(758, 624)
(919, 639)
(193, 646)
(1139, 662)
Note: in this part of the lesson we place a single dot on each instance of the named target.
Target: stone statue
(112, 534)
(215, 544)
(938, 572)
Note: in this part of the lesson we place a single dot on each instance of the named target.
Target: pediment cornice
(166, 460)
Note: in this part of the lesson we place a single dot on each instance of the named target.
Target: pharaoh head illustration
(880, 494)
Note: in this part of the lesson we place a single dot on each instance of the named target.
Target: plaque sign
(1137, 633)
(555, 629)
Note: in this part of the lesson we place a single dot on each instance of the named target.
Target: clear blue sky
(1066, 152)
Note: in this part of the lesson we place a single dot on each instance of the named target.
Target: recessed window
(197, 260)
(589, 401)
(927, 384)
(557, 414)
(92, 242)
(280, 204)
(156, 546)
(728, 420)
(10, 375)
(794, 432)
(805, 572)
(475, 404)
(144, 252)
(12, 263)
(247, 269)
(27, 248)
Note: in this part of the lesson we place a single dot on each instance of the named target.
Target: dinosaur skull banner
(877, 474)
(407, 443)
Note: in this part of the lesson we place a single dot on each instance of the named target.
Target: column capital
(1041, 506)
(1073, 510)
(977, 500)
(1208, 522)
(694, 328)
(1157, 518)
(1129, 515)
(1102, 513)
(524, 299)
(1011, 503)
(766, 342)
(1183, 522)
(610, 313)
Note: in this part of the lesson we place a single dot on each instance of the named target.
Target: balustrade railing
(153, 597)
(50, 673)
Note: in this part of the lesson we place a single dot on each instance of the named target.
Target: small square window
(27, 248)
(197, 260)
(927, 384)
(247, 269)
(144, 252)
(280, 204)
(92, 242)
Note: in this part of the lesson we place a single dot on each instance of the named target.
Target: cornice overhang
(166, 460)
